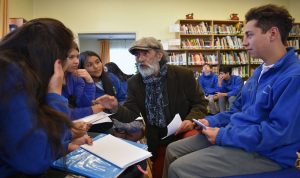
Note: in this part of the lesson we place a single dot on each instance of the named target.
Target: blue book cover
(85, 163)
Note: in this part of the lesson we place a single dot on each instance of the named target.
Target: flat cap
(145, 44)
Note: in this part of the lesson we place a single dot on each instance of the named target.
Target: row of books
(241, 71)
(201, 28)
(231, 42)
(201, 59)
(293, 43)
(197, 43)
(228, 42)
(295, 30)
(204, 28)
(193, 59)
(177, 59)
(227, 29)
(234, 58)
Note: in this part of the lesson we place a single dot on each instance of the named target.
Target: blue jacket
(232, 86)
(265, 117)
(23, 149)
(208, 83)
(120, 88)
(80, 96)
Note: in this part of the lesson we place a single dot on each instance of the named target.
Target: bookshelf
(218, 42)
(14, 23)
(294, 38)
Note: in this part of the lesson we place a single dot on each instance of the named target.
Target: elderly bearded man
(158, 92)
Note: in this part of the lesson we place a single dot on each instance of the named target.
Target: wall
(145, 17)
(90, 45)
(20, 8)
(294, 6)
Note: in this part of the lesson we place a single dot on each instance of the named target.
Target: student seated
(35, 128)
(79, 87)
(108, 83)
(229, 87)
(260, 132)
(209, 84)
(112, 68)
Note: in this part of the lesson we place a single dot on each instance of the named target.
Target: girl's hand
(80, 128)
(56, 81)
(85, 75)
(77, 142)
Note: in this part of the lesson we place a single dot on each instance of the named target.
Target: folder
(91, 164)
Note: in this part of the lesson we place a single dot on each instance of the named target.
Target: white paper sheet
(117, 151)
(174, 125)
(98, 118)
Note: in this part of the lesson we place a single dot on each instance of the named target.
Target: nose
(95, 66)
(139, 58)
(76, 60)
(245, 42)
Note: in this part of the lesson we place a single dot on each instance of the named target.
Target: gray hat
(145, 44)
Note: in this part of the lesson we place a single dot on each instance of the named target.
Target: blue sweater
(80, 96)
(265, 118)
(232, 86)
(120, 88)
(208, 83)
(23, 149)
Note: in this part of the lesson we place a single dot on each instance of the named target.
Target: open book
(85, 163)
(117, 151)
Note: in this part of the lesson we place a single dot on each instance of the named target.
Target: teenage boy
(260, 133)
(229, 86)
(209, 84)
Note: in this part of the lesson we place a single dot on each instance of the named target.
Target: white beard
(149, 70)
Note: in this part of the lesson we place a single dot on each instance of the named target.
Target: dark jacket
(184, 95)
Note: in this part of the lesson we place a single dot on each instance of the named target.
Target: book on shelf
(108, 157)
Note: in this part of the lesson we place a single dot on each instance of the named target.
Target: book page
(174, 125)
(98, 118)
(117, 151)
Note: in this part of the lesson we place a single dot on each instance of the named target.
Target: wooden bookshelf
(14, 23)
(216, 42)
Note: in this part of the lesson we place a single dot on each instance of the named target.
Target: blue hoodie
(208, 83)
(26, 148)
(232, 86)
(120, 88)
(81, 93)
(265, 117)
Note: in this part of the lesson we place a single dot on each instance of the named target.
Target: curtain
(4, 17)
(104, 51)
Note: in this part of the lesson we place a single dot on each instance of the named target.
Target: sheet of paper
(117, 151)
(174, 125)
(98, 118)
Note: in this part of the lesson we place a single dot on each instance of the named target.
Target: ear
(159, 55)
(274, 33)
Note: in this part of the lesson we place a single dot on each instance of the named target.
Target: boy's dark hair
(270, 15)
(206, 64)
(225, 69)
